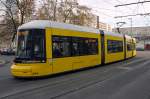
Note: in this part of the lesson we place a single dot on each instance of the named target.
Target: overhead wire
(102, 13)
(145, 12)
(123, 3)
(126, 7)
(133, 10)
(136, 10)
(113, 5)
(109, 10)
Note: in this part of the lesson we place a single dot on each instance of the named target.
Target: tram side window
(61, 46)
(92, 46)
(89, 46)
(129, 46)
(134, 46)
(114, 46)
(84, 46)
(76, 46)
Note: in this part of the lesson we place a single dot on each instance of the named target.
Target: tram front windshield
(31, 46)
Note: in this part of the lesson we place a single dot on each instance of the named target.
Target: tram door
(102, 47)
(132, 48)
(125, 47)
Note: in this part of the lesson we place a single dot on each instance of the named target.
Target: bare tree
(48, 10)
(66, 9)
(85, 16)
(57, 10)
(16, 12)
(25, 9)
(9, 17)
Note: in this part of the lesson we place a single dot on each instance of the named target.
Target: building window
(114, 46)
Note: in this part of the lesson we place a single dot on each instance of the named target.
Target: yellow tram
(46, 47)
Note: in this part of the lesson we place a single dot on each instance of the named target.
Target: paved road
(124, 80)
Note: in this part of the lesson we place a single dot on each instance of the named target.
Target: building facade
(105, 26)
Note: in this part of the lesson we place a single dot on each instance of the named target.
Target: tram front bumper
(21, 71)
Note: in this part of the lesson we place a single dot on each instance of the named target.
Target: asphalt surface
(128, 79)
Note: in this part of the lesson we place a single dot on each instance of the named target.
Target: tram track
(123, 80)
(136, 59)
(72, 79)
(98, 82)
(108, 77)
(129, 61)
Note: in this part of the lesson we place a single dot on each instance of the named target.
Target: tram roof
(113, 34)
(128, 37)
(42, 24)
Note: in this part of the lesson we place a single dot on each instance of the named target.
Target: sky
(106, 11)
